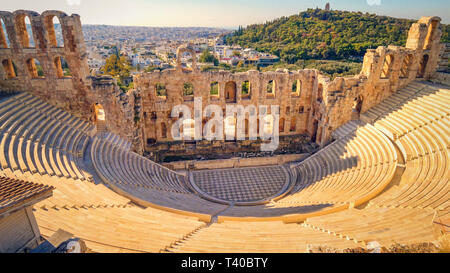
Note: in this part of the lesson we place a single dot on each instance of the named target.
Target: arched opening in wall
(160, 90)
(387, 67)
(188, 129)
(187, 60)
(230, 92)
(270, 89)
(246, 90)
(4, 38)
(281, 125)
(230, 128)
(268, 124)
(35, 68)
(9, 68)
(257, 127)
(320, 93)
(246, 127)
(301, 109)
(163, 130)
(430, 35)
(314, 132)
(25, 31)
(296, 88)
(423, 66)
(407, 61)
(214, 89)
(293, 124)
(62, 68)
(54, 31)
(188, 91)
(288, 111)
(99, 117)
(358, 104)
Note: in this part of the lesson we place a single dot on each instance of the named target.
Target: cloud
(374, 2)
(77, 2)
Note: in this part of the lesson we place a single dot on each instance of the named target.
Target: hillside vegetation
(330, 35)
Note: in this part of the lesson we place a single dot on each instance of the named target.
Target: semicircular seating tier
(384, 179)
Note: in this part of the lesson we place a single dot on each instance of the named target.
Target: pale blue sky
(219, 13)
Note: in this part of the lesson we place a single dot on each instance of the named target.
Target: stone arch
(5, 42)
(281, 125)
(35, 68)
(230, 92)
(62, 67)
(270, 89)
(160, 90)
(50, 28)
(214, 89)
(423, 66)
(296, 87)
(314, 130)
(9, 68)
(188, 89)
(246, 128)
(246, 90)
(293, 124)
(357, 107)
(434, 24)
(21, 17)
(230, 128)
(183, 49)
(387, 66)
(406, 65)
(358, 104)
(268, 124)
(188, 132)
(98, 113)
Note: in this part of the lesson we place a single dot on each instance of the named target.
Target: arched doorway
(230, 92)
(422, 66)
(230, 128)
(99, 118)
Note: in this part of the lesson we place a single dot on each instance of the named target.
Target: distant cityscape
(156, 47)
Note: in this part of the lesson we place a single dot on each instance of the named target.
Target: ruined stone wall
(76, 93)
(318, 108)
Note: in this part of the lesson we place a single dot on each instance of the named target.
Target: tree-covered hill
(320, 34)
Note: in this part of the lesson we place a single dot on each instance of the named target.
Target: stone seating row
(148, 183)
(40, 138)
(125, 167)
(118, 229)
(384, 225)
(424, 144)
(346, 170)
(258, 237)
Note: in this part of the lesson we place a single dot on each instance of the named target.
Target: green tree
(207, 57)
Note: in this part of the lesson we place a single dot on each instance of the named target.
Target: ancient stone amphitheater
(381, 174)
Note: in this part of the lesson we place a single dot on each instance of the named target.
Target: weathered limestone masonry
(294, 106)
(77, 93)
(316, 107)
(385, 70)
(311, 106)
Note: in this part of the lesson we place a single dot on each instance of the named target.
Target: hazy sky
(219, 13)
